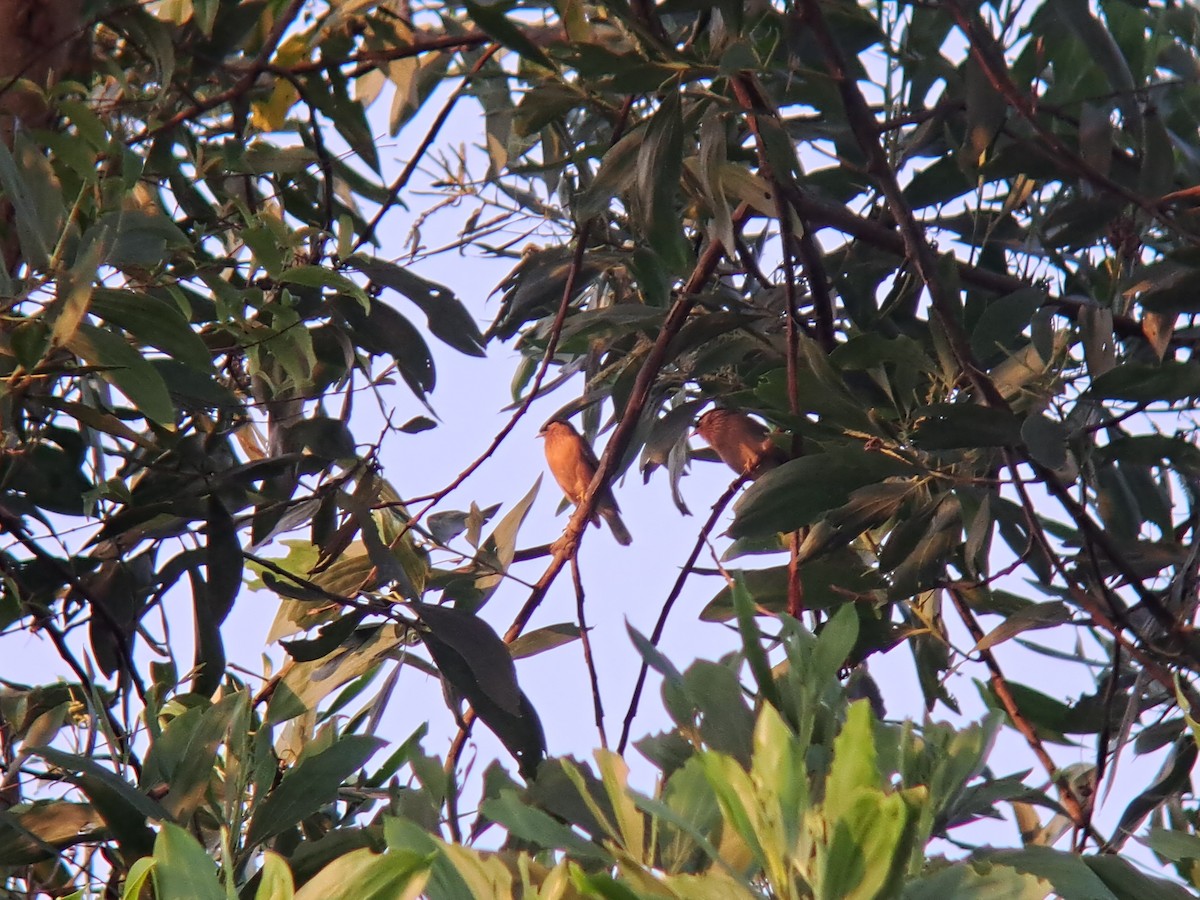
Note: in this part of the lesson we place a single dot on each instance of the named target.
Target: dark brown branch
(560, 549)
(1104, 736)
(751, 98)
(1070, 802)
(567, 545)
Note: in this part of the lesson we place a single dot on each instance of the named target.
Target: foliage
(809, 797)
(947, 249)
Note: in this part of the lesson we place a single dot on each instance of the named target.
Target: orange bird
(740, 441)
(573, 465)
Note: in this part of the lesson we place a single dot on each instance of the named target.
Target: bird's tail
(620, 532)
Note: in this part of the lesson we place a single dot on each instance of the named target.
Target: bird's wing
(589, 455)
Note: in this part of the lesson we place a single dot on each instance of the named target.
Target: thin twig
(614, 451)
(588, 659)
(402, 181)
(676, 589)
(1104, 736)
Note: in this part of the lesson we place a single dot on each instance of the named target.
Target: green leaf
(275, 879)
(952, 426)
(363, 874)
(659, 168)
(1152, 450)
(1046, 440)
(40, 830)
(685, 816)
(1039, 615)
(204, 13)
(123, 807)
(1003, 320)
(616, 174)
(1128, 883)
(835, 642)
(986, 112)
(1143, 383)
(446, 316)
(194, 389)
(919, 547)
(1176, 846)
(826, 582)
(854, 763)
(223, 582)
(977, 880)
(471, 656)
(183, 868)
(542, 639)
(870, 847)
(1067, 873)
(29, 184)
(324, 277)
(126, 369)
(542, 830)
(308, 683)
(1172, 778)
(799, 491)
(491, 19)
(498, 550)
(310, 785)
(381, 329)
(736, 795)
(137, 239)
(139, 874)
(185, 753)
(752, 648)
(1168, 286)
(153, 322)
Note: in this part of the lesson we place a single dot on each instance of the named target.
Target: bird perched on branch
(573, 465)
(742, 443)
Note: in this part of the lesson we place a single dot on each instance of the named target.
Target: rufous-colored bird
(573, 465)
(742, 443)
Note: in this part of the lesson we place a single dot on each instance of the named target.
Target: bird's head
(710, 421)
(555, 427)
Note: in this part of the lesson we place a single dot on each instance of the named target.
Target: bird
(742, 443)
(573, 465)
